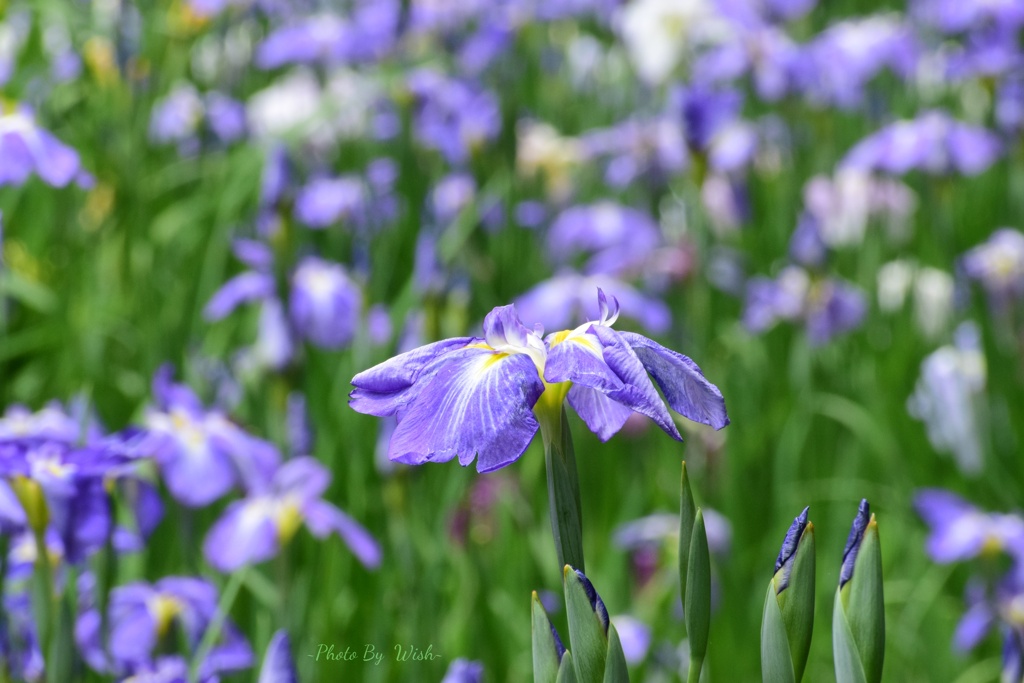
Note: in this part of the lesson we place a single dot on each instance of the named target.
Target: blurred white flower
(543, 151)
(657, 33)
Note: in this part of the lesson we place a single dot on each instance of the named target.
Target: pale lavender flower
(278, 665)
(325, 201)
(255, 528)
(324, 303)
(617, 237)
(225, 116)
(453, 117)
(464, 671)
(998, 265)
(451, 195)
(634, 636)
(25, 148)
(960, 531)
(177, 117)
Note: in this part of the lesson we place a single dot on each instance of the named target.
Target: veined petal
(602, 415)
(578, 357)
(638, 393)
(686, 390)
(475, 402)
(504, 332)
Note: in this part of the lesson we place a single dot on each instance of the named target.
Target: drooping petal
(381, 390)
(602, 415)
(245, 534)
(303, 477)
(579, 358)
(278, 665)
(638, 393)
(684, 385)
(322, 518)
(475, 403)
(243, 288)
(973, 626)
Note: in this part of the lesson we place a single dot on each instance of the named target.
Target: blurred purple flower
(618, 237)
(712, 126)
(226, 117)
(367, 33)
(177, 117)
(324, 303)
(960, 531)
(827, 307)
(201, 454)
(998, 265)
(140, 618)
(324, 201)
(634, 636)
(451, 195)
(954, 16)
(453, 117)
(952, 380)
(464, 671)
(278, 665)
(25, 148)
(255, 528)
(934, 143)
(638, 148)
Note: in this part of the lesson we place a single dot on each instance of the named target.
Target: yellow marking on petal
(992, 546)
(164, 608)
(494, 359)
(559, 337)
(480, 345)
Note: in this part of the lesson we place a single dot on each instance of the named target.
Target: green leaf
(776, 661)
(864, 604)
(697, 606)
(564, 495)
(796, 602)
(567, 671)
(586, 632)
(687, 513)
(844, 649)
(615, 669)
(545, 653)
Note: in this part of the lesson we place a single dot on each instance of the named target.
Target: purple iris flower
(835, 67)
(254, 529)
(225, 116)
(324, 303)
(853, 541)
(464, 671)
(934, 143)
(826, 306)
(143, 617)
(619, 237)
(635, 637)
(451, 195)
(954, 16)
(712, 126)
(202, 455)
(367, 33)
(960, 531)
(651, 148)
(177, 117)
(325, 201)
(473, 396)
(25, 148)
(567, 297)
(765, 52)
(998, 265)
(453, 117)
(278, 665)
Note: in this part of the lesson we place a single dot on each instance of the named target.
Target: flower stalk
(563, 489)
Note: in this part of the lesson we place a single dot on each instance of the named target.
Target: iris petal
(580, 359)
(473, 402)
(602, 415)
(685, 388)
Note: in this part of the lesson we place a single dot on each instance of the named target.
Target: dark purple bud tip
(789, 547)
(860, 523)
(559, 648)
(595, 600)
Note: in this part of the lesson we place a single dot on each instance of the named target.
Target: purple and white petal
(603, 416)
(322, 518)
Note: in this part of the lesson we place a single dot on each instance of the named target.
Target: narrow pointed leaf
(687, 513)
(776, 662)
(697, 606)
(567, 671)
(844, 649)
(545, 652)
(615, 668)
(587, 637)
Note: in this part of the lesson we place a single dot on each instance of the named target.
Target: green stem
(693, 674)
(44, 602)
(227, 599)
(563, 492)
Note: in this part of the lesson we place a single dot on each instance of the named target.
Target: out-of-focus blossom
(934, 143)
(661, 527)
(325, 303)
(567, 297)
(954, 16)
(764, 51)
(932, 293)
(842, 206)
(712, 126)
(998, 265)
(327, 200)
(464, 671)
(378, 325)
(659, 33)
(451, 195)
(143, 617)
(726, 202)
(367, 33)
(177, 117)
(652, 149)
(225, 116)
(472, 396)
(634, 636)
(960, 531)
(618, 237)
(255, 528)
(278, 665)
(946, 397)
(202, 455)
(453, 117)
(834, 68)
(826, 306)
(14, 31)
(542, 151)
(25, 148)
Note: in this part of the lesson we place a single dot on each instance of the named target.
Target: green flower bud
(858, 617)
(788, 618)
